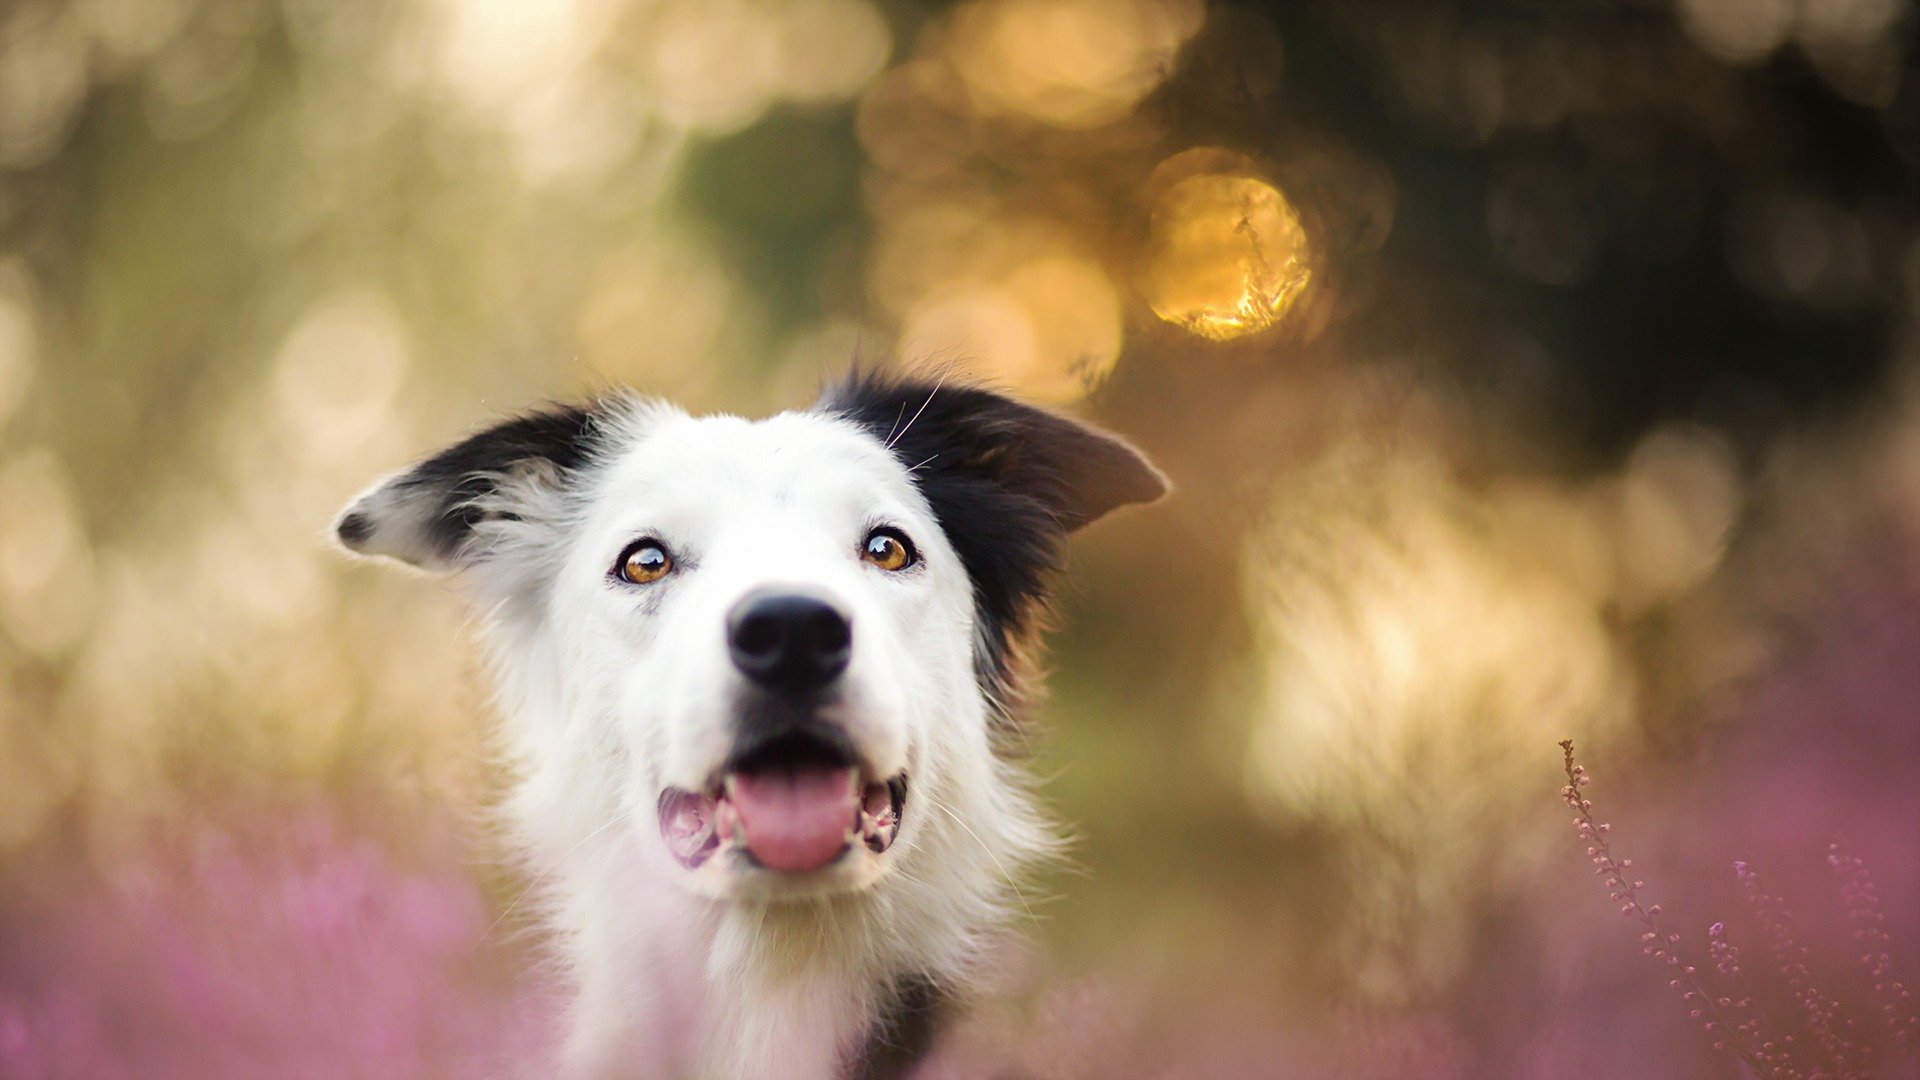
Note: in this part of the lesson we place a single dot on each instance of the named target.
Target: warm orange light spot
(1228, 256)
(1049, 328)
(1069, 63)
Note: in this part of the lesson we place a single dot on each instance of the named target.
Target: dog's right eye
(889, 549)
(643, 563)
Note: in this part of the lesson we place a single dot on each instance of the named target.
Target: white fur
(612, 693)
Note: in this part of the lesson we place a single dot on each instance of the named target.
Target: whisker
(896, 425)
(540, 878)
(1011, 883)
(923, 408)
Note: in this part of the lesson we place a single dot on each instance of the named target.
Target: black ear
(425, 515)
(1007, 481)
(1073, 471)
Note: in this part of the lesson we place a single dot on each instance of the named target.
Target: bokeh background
(1527, 372)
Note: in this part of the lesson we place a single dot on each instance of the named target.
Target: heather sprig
(1862, 904)
(1770, 1051)
(1822, 1013)
(1656, 942)
(1840, 1044)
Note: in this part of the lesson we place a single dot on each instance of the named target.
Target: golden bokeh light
(830, 49)
(1050, 329)
(1416, 640)
(718, 65)
(1418, 634)
(489, 53)
(1076, 320)
(46, 562)
(913, 121)
(924, 247)
(1403, 614)
(336, 377)
(1069, 63)
(713, 64)
(1228, 255)
(978, 323)
(43, 77)
(1404, 602)
(658, 312)
(1669, 514)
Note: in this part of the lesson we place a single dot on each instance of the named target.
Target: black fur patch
(354, 529)
(562, 436)
(1007, 482)
(909, 1020)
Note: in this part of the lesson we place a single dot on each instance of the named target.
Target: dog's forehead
(730, 461)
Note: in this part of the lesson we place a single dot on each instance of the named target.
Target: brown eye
(888, 549)
(644, 563)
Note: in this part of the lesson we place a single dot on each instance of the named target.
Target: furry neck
(688, 986)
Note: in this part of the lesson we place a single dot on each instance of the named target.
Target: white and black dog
(759, 680)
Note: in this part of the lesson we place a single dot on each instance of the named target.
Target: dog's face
(789, 634)
(774, 618)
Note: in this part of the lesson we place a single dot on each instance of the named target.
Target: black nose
(788, 642)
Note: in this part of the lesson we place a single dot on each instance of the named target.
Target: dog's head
(780, 645)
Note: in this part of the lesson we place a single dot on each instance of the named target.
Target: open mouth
(794, 805)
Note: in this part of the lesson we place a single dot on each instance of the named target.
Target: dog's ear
(1007, 482)
(428, 514)
(968, 436)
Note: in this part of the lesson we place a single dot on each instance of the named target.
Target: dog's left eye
(889, 549)
(644, 563)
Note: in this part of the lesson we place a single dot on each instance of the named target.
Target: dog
(762, 685)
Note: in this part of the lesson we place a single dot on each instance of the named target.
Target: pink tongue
(794, 821)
